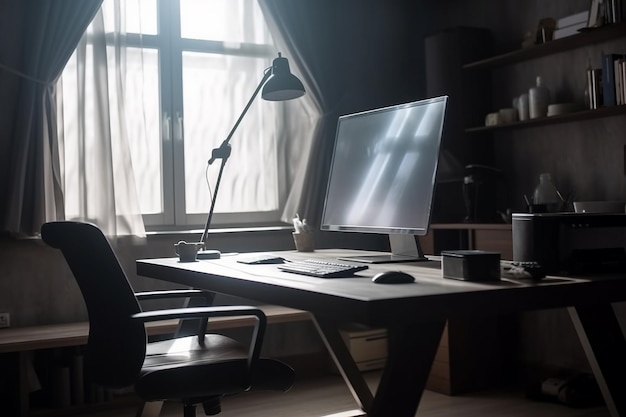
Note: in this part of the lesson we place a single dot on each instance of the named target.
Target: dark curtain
(315, 53)
(41, 42)
(356, 55)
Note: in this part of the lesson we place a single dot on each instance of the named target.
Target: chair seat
(187, 351)
(183, 368)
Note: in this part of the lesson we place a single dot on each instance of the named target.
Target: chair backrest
(117, 344)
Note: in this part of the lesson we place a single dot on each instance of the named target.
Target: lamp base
(208, 254)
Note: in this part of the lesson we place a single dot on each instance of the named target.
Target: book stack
(613, 79)
(571, 25)
(603, 12)
(612, 11)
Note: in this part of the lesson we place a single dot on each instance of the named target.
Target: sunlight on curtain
(216, 89)
(297, 134)
(251, 177)
(96, 91)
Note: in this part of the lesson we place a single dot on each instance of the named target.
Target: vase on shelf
(546, 197)
(538, 99)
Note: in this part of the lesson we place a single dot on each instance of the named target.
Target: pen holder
(303, 241)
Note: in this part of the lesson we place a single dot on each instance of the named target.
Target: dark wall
(381, 44)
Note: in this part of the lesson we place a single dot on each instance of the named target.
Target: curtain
(295, 27)
(93, 138)
(47, 35)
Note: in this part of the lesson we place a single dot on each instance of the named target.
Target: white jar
(523, 107)
(538, 99)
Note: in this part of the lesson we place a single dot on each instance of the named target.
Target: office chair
(192, 370)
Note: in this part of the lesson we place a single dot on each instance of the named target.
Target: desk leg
(603, 341)
(345, 363)
(411, 348)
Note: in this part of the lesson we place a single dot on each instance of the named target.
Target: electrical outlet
(5, 320)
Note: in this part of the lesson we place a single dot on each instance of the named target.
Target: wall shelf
(587, 37)
(562, 118)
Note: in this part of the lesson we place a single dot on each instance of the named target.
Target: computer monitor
(382, 175)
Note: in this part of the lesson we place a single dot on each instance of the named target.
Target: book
(596, 17)
(574, 19)
(569, 30)
(622, 77)
(608, 78)
(614, 11)
(594, 87)
(619, 88)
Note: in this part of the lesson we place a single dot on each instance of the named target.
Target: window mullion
(168, 110)
(176, 88)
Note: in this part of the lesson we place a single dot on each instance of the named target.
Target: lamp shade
(282, 85)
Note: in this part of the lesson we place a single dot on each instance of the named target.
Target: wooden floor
(324, 396)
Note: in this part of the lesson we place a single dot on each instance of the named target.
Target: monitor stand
(404, 248)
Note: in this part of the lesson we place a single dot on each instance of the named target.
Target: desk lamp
(278, 84)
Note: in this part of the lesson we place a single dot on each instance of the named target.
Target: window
(190, 66)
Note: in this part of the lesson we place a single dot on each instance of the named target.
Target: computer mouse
(393, 277)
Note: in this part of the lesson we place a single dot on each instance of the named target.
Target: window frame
(170, 48)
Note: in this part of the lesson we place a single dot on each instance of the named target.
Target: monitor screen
(382, 173)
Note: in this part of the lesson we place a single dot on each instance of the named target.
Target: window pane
(223, 20)
(215, 91)
(138, 16)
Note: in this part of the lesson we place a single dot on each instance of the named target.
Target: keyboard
(321, 269)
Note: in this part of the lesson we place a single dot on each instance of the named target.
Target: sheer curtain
(298, 133)
(93, 137)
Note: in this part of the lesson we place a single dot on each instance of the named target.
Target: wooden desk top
(358, 299)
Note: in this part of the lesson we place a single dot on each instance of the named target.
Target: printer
(571, 242)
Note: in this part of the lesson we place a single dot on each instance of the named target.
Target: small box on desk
(471, 265)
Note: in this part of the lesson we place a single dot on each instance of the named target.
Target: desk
(414, 315)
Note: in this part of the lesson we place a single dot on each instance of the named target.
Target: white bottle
(547, 194)
(538, 99)
(523, 107)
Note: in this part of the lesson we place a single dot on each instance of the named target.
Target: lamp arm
(223, 153)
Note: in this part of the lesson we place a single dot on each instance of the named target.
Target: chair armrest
(219, 311)
(206, 298)
(154, 295)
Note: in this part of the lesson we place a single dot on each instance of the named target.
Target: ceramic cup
(492, 119)
(508, 115)
(187, 252)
